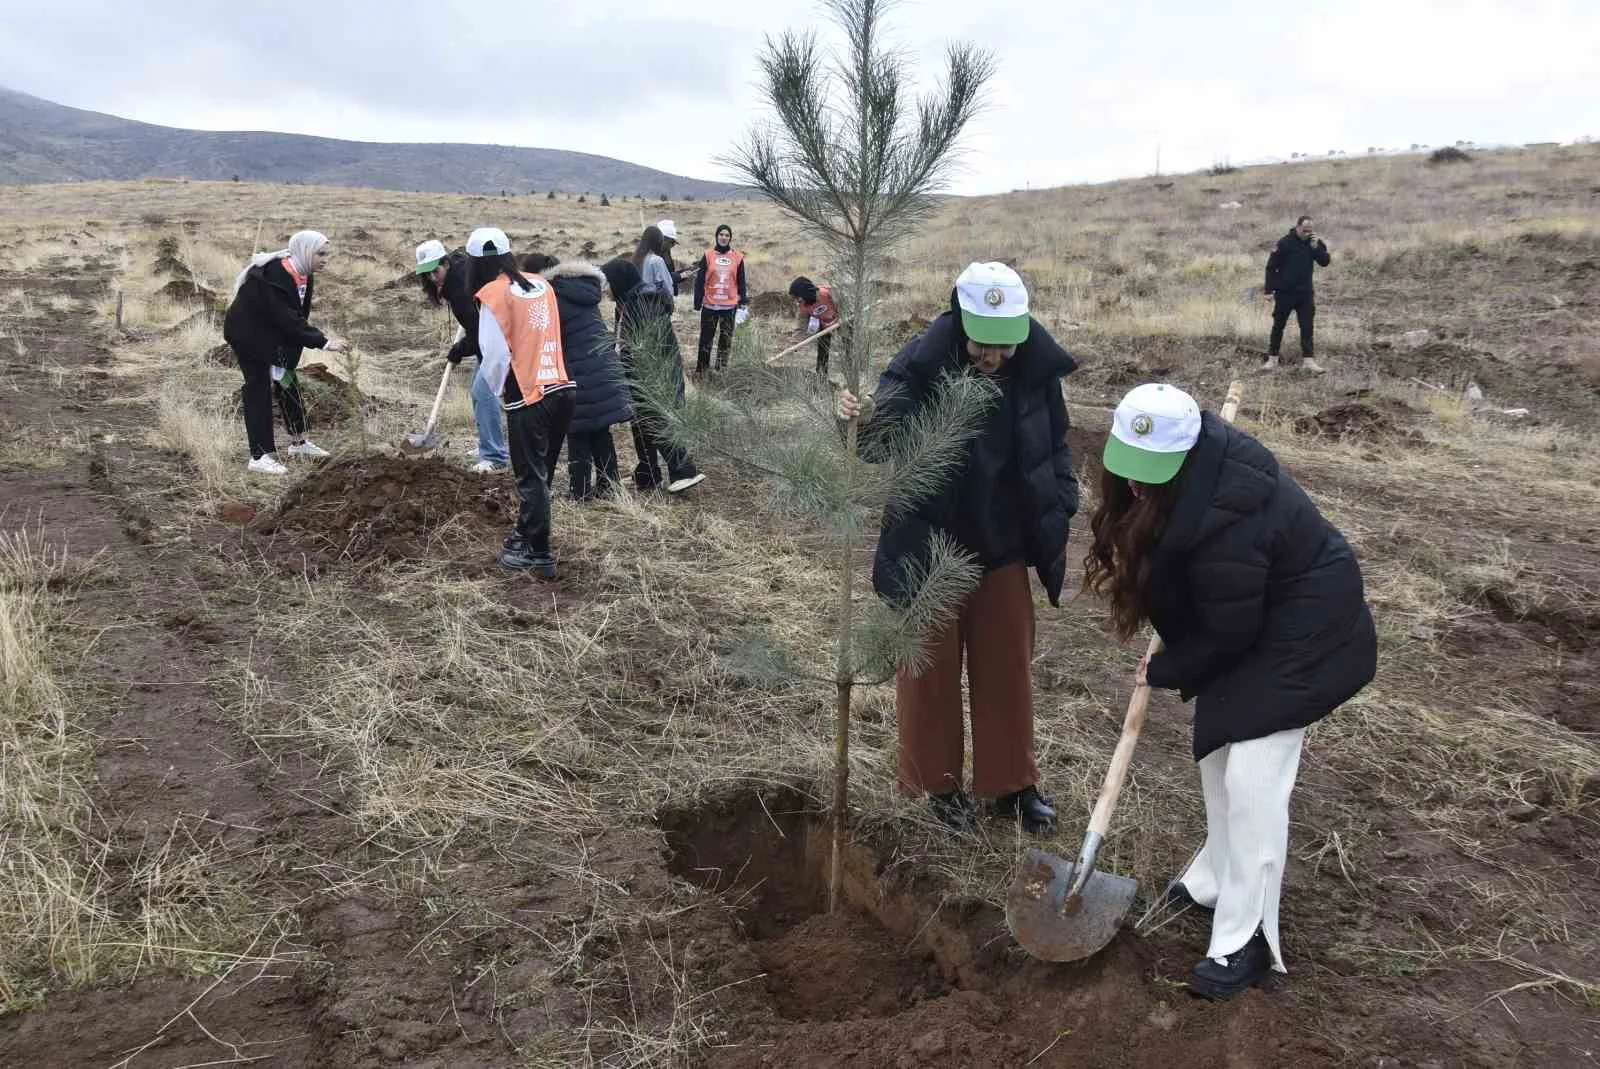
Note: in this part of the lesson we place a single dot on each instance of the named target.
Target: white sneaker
(308, 448)
(1269, 364)
(678, 486)
(473, 452)
(266, 465)
(1313, 367)
(485, 467)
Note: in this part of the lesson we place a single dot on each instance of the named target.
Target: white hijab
(302, 247)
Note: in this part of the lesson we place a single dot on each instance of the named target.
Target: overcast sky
(1084, 91)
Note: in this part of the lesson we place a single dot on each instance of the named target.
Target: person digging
(1260, 605)
(519, 335)
(444, 281)
(1009, 507)
(1288, 282)
(267, 326)
(719, 295)
(816, 306)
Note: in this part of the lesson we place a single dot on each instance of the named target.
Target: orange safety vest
(824, 311)
(722, 279)
(531, 324)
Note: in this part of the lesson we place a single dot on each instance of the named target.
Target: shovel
(430, 436)
(1060, 910)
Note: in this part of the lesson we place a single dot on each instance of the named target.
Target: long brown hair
(1126, 529)
(651, 241)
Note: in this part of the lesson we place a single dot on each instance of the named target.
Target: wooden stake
(119, 309)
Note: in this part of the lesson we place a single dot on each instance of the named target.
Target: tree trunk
(845, 681)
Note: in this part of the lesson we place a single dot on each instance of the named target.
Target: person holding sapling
(645, 337)
(1009, 507)
(519, 334)
(719, 295)
(1260, 604)
(267, 325)
(591, 355)
(817, 308)
(444, 280)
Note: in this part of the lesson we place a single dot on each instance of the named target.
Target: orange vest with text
(532, 325)
(824, 311)
(722, 279)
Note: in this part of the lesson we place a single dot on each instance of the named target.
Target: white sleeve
(813, 325)
(495, 351)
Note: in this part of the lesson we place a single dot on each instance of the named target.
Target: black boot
(1177, 897)
(1038, 816)
(518, 555)
(1242, 969)
(954, 809)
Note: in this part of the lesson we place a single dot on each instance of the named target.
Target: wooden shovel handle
(438, 399)
(1133, 721)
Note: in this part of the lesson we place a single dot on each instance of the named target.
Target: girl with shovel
(1259, 602)
(444, 281)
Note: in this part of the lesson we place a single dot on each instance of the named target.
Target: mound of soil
(1352, 421)
(387, 508)
(169, 259)
(773, 303)
(186, 289)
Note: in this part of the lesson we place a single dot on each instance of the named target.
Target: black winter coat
(1290, 265)
(644, 316)
(587, 347)
(463, 306)
(1047, 491)
(266, 323)
(1257, 597)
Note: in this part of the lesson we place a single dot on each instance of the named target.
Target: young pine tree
(856, 160)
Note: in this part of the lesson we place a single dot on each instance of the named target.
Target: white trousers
(1239, 870)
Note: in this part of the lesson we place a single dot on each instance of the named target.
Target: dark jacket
(700, 280)
(588, 348)
(1257, 597)
(462, 306)
(266, 323)
(1289, 266)
(644, 317)
(1038, 482)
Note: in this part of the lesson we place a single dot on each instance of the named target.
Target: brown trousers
(995, 633)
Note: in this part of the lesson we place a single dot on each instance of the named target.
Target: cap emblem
(994, 297)
(1143, 425)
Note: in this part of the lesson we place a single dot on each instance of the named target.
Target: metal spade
(430, 436)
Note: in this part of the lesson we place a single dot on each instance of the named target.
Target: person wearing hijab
(444, 280)
(719, 294)
(519, 335)
(1261, 611)
(267, 325)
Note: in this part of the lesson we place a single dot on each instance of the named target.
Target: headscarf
(302, 247)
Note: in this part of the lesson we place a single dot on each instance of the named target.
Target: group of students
(1198, 530)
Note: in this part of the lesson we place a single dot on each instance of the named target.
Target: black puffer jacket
(588, 348)
(1257, 597)
(1291, 265)
(266, 323)
(1046, 492)
(462, 306)
(644, 316)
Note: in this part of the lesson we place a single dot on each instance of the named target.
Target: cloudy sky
(1084, 91)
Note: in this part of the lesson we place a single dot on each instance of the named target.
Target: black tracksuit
(715, 323)
(462, 306)
(266, 327)
(1289, 271)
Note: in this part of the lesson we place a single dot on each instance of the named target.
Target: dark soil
(1353, 421)
(388, 508)
(773, 304)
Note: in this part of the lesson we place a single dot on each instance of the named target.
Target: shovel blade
(1052, 929)
(422, 443)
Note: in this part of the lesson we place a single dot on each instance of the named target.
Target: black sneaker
(517, 555)
(954, 809)
(1243, 969)
(1177, 897)
(1035, 811)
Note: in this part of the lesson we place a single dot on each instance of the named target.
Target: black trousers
(824, 348)
(534, 434)
(1304, 307)
(717, 324)
(652, 448)
(591, 463)
(255, 397)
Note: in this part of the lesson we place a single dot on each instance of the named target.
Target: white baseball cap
(488, 241)
(994, 304)
(430, 254)
(1152, 431)
(668, 228)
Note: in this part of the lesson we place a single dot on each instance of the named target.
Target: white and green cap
(430, 254)
(994, 304)
(1152, 431)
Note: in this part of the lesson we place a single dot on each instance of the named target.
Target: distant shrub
(1222, 167)
(1448, 154)
(583, 198)
(605, 201)
(551, 195)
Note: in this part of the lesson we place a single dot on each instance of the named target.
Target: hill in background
(41, 141)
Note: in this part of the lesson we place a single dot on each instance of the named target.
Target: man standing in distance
(1288, 281)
